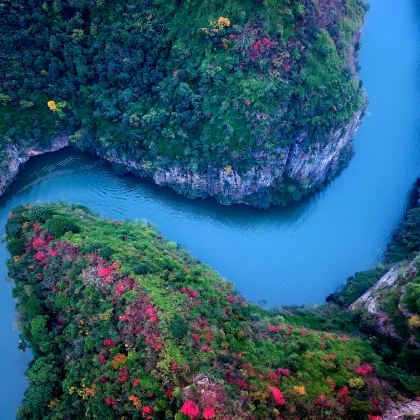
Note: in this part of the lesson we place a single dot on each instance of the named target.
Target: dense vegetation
(122, 322)
(197, 83)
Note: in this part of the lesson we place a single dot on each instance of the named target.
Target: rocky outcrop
(371, 304)
(16, 156)
(403, 411)
(306, 167)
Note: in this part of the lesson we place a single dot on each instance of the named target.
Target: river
(281, 256)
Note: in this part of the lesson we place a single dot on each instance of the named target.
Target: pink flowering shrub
(277, 395)
(190, 409)
(364, 370)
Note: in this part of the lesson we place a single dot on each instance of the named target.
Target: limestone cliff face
(403, 411)
(306, 167)
(16, 156)
(372, 304)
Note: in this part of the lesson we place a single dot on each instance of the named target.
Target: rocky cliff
(15, 156)
(272, 179)
(383, 304)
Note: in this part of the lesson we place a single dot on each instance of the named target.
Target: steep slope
(122, 322)
(246, 101)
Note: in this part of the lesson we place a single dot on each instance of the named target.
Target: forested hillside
(122, 322)
(172, 89)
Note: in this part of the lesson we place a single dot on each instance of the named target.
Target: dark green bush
(38, 214)
(14, 226)
(16, 246)
(179, 328)
(58, 225)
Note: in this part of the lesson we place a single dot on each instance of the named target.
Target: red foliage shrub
(277, 395)
(342, 395)
(231, 298)
(189, 292)
(209, 413)
(190, 409)
(283, 372)
(364, 370)
(142, 320)
(38, 243)
(241, 382)
(273, 377)
(102, 359)
(259, 47)
(322, 401)
(122, 377)
(110, 401)
(108, 342)
(104, 271)
(146, 410)
(124, 285)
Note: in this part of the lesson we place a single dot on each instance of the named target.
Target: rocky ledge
(373, 307)
(273, 179)
(403, 411)
(16, 156)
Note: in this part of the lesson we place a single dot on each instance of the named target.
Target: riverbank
(15, 156)
(276, 178)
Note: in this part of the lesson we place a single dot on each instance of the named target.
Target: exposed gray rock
(370, 305)
(309, 167)
(406, 410)
(369, 300)
(16, 156)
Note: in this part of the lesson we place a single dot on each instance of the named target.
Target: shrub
(179, 328)
(38, 214)
(16, 246)
(58, 225)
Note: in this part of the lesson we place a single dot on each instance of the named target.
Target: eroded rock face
(370, 306)
(308, 167)
(16, 156)
(405, 410)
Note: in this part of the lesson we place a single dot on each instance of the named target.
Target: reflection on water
(293, 255)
